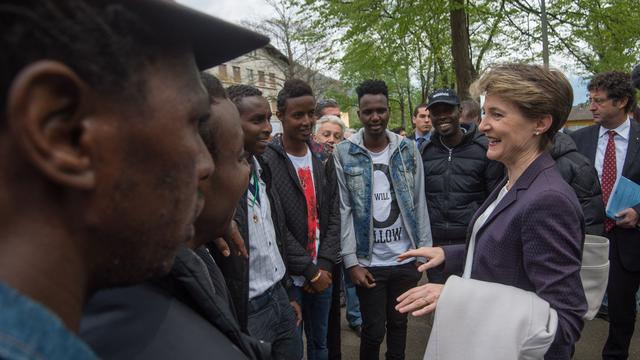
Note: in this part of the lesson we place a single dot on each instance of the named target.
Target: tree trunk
(460, 48)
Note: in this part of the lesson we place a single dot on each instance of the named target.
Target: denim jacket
(30, 331)
(355, 172)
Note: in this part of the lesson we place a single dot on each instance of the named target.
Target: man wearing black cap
(458, 175)
(100, 158)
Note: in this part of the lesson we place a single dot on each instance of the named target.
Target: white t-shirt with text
(389, 238)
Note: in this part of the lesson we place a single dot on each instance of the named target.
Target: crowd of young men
(119, 169)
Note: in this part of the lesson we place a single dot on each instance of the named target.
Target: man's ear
(621, 103)
(47, 109)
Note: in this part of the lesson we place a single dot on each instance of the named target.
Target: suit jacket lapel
(591, 145)
(633, 146)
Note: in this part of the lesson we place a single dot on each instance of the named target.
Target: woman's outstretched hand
(434, 255)
(420, 300)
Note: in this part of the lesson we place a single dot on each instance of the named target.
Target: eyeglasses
(597, 101)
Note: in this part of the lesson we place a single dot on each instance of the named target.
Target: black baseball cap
(214, 40)
(446, 96)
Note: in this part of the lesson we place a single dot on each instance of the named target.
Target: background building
(267, 69)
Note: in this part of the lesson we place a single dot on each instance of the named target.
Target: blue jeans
(272, 319)
(315, 319)
(353, 304)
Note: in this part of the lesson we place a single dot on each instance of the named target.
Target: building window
(222, 72)
(272, 80)
(236, 74)
(261, 78)
(250, 76)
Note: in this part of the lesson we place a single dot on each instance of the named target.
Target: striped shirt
(266, 267)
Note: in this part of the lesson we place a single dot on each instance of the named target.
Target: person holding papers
(612, 145)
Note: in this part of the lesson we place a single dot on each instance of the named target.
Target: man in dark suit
(612, 145)
(422, 124)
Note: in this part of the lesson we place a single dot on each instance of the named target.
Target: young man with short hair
(307, 186)
(326, 107)
(260, 283)
(384, 213)
(422, 125)
(101, 158)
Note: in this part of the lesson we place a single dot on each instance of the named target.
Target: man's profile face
(606, 111)
(225, 187)
(255, 115)
(150, 162)
(422, 121)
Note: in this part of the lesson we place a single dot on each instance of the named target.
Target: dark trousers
(272, 319)
(621, 290)
(333, 331)
(377, 306)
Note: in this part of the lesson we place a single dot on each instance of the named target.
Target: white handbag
(594, 272)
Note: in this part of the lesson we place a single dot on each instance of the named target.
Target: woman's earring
(537, 133)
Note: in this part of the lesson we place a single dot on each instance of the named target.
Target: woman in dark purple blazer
(529, 232)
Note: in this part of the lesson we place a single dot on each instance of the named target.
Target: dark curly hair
(292, 88)
(238, 92)
(372, 87)
(105, 43)
(618, 86)
(213, 85)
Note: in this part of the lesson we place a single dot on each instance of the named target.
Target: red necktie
(609, 176)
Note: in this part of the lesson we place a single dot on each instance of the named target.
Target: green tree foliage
(600, 35)
(409, 43)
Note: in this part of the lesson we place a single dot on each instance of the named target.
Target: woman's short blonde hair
(533, 89)
(329, 119)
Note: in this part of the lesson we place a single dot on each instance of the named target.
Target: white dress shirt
(622, 142)
(266, 267)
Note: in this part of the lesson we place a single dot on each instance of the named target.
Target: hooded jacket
(457, 181)
(285, 182)
(583, 178)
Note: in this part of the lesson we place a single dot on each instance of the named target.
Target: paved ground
(588, 348)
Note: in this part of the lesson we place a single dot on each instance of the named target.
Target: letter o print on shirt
(385, 206)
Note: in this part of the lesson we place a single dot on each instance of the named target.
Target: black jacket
(577, 171)
(457, 182)
(286, 183)
(236, 268)
(184, 315)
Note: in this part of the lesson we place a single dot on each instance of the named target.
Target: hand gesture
(231, 236)
(434, 255)
(421, 299)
